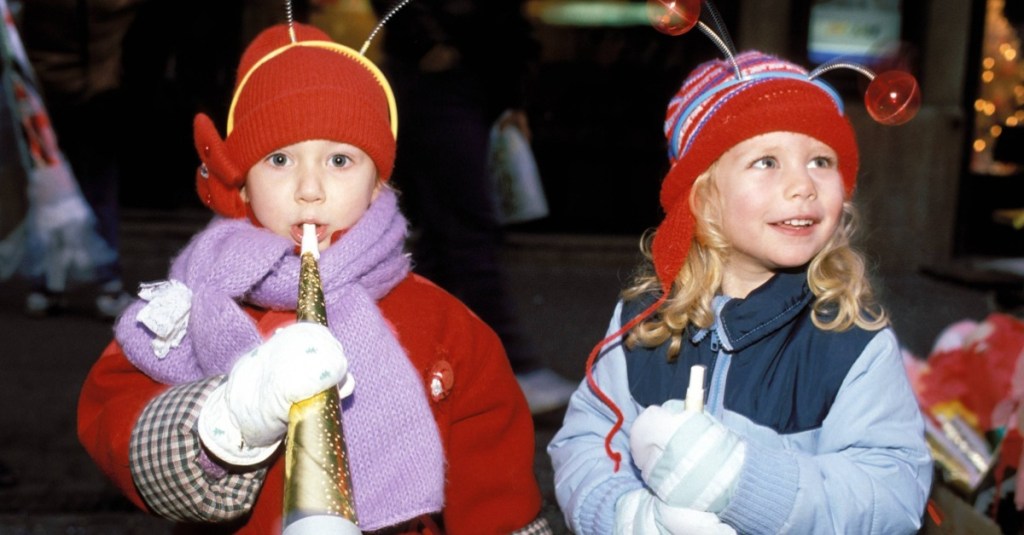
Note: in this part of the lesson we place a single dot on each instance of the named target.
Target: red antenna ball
(673, 17)
(893, 98)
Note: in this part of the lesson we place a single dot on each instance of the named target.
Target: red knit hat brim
(772, 105)
(325, 112)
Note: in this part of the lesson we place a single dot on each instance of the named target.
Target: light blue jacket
(860, 467)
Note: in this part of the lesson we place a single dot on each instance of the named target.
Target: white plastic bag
(513, 170)
(63, 244)
(57, 241)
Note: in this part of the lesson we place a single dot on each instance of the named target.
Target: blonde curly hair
(837, 276)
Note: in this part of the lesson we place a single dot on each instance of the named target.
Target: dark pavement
(564, 288)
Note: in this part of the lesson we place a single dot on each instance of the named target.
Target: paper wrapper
(963, 454)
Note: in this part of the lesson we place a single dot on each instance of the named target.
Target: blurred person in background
(75, 47)
(456, 67)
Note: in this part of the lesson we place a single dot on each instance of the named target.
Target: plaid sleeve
(539, 526)
(170, 469)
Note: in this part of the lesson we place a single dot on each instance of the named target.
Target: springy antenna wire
(720, 35)
(291, 19)
(362, 51)
(383, 20)
(840, 64)
(717, 19)
(723, 46)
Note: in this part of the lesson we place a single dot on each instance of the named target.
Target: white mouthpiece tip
(695, 391)
(697, 376)
(309, 243)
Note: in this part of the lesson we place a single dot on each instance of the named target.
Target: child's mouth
(297, 231)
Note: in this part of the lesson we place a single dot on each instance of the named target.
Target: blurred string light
(1001, 92)
(582, 13)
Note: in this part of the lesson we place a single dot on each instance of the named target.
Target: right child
(810, 425)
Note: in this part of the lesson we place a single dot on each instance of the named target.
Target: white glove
(640, 512)
(688, 459)
(245, 418)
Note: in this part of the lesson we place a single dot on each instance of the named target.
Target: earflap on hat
(672, 241)
(218, 179)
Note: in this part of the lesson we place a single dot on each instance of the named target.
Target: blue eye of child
(278, 159)
(339, 160)
(821, 162)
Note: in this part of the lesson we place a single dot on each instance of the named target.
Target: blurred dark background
(941, 196)
(596, 105)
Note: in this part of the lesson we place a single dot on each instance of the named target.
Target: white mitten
(688, 459)
(640, 512)
(634, 514)
(244, 419)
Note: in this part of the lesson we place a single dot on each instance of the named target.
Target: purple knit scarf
(395, 455)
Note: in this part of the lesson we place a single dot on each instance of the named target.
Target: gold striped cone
(316, 474)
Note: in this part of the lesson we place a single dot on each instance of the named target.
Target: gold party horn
(317, 486)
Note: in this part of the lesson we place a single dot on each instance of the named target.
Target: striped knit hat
(292, 88)
(713, 111)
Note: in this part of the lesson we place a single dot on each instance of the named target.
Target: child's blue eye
(339, 160)
(765, 162)
(823, 162)
(277, 159)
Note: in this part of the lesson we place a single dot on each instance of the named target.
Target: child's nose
(310, 187)
(799, 183)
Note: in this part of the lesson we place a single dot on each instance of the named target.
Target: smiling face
(323, 182)
(780, 199)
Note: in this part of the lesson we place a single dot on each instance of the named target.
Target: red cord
(615, 456)
(934, 512)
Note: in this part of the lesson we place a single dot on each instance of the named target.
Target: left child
(187, 408)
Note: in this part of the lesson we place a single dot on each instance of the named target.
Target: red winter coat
(484, 423)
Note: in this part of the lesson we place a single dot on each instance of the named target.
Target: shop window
(990, 219)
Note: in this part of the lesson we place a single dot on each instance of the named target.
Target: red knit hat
(713, 112)
(292, 88)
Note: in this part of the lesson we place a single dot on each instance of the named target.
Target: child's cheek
(252, 216)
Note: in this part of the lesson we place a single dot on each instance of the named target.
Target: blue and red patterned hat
(714, 111)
